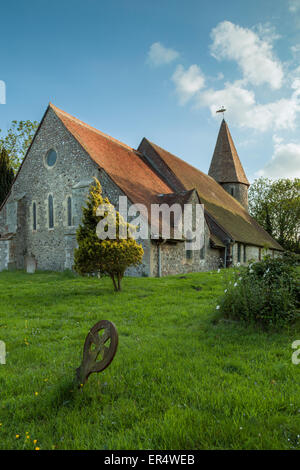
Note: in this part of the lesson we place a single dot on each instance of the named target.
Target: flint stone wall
(71, 176)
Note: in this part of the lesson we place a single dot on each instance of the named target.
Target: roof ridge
(176, 156)
(91, 128)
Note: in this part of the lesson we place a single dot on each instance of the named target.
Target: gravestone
(30, 264)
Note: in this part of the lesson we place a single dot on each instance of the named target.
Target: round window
(51, 158)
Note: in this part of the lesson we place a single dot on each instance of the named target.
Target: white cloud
(254, 55)
(161, 55)
(285, 162)
(295, 74)
(188, 82)
(295, 49)
(294, 5)
(266, 32)
(253, 52)
(277, 139)
(244, 111)
(237, 100)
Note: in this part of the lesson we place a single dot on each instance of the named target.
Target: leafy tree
(107, 256)
(276, 206)
(6, 174)
(17, 140)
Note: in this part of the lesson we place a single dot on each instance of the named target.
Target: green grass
(180, 379)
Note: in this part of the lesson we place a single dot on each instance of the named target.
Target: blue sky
(160, 69)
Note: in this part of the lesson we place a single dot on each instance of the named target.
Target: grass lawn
(179, 379)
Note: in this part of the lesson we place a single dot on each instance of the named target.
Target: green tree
(17, 140)
(276, 207)
(6, 174)
(106, 256)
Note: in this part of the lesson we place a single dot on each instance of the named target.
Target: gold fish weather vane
(221, 110)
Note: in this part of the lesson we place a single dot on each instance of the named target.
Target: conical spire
(225, 166)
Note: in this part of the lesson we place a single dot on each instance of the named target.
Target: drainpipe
(159, 256)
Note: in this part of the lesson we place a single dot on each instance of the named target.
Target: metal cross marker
(102, 340)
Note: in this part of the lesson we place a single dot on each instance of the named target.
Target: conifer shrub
(265, 292)
(105, 256)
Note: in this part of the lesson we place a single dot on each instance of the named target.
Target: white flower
(217, 307)
(251, 271)
(225, 291)
(219, 270)
(240, 278)
(238, 264)
(235, 284)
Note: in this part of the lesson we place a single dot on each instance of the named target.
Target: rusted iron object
(99, 350)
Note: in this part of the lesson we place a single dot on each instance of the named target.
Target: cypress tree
(6, 174)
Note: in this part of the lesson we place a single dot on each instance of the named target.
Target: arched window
(50, 210)
(34, 216)
(69, 206)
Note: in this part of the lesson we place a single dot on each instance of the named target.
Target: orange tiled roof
(225, 209)
(122, 163)
(141, 183)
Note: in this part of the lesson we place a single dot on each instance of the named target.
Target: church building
(40, 216)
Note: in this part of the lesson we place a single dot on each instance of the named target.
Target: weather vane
(221, 110)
